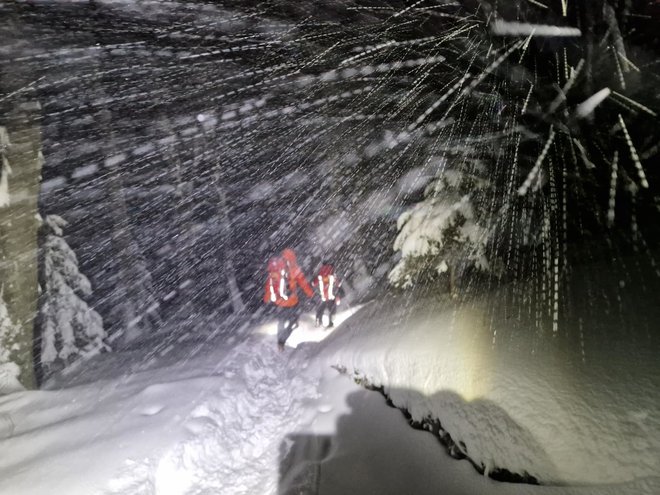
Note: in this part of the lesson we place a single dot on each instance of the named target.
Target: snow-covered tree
(70, 328)
(9, 333)
(441, 234)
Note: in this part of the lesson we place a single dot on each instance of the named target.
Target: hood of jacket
(290, 257)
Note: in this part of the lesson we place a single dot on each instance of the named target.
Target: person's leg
(319, 313)
(288, 323)
(294, 315)
(332, 308)
(282, 328)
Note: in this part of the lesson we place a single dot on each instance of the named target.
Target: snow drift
(533, 406)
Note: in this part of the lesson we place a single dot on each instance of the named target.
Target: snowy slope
(526, 404)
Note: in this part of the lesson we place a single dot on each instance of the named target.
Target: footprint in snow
(200, 424)
(151, 410)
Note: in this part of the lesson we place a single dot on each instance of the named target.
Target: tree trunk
(234, 291)
(182, 224)
(137, 303)
(19, 224)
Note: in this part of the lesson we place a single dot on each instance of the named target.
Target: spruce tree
(442, 236)
(70, 328)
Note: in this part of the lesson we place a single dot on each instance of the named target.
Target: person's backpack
(329, 285)
(278, 285)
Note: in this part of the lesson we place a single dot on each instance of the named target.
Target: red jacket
(281, 287)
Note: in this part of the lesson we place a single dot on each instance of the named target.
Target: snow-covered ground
(245, 419)
(579, 405)
(523, 411)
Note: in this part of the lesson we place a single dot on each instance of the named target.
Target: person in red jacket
(329, 288)
(281, 289)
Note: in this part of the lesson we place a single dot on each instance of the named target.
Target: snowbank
(513, 399)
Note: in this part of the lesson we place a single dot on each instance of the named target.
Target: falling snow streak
(557, 215)
(504, 28)
(588, 106)
(535, 171)
(633, 154)
(635, 104)
(613, 181)
(538, 4)
(566, 88)
(529, 94)
(456, 86)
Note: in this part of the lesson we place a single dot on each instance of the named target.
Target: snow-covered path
(233, 432)
(165, 430)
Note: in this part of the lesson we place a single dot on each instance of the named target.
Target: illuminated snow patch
(307, 331)
(172, 478)
(269, 328)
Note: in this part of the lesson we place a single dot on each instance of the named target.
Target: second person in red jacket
(330, 290)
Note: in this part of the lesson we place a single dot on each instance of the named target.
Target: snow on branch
(441, 233)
